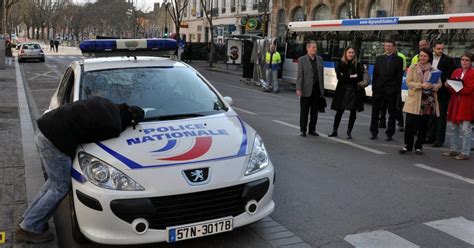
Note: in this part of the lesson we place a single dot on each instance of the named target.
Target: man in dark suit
(386, 84)
(437, 125)
(310, 88)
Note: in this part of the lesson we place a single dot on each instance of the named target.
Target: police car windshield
(163, 92)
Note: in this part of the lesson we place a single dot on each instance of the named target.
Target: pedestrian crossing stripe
(459, 227)
(2, 237)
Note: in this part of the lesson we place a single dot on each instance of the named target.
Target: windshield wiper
(172, 117)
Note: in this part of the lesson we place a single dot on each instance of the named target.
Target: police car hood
(166, 143)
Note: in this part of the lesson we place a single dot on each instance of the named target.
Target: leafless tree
(208, 12)
(176, 11)
(5, 14)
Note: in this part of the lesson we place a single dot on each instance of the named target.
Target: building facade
(285, 11)
(230, 17)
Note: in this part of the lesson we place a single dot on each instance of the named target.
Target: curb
(34, 177)
(222, 71)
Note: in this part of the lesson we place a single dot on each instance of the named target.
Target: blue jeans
(464, 128)
(272, 80)
(58, 167)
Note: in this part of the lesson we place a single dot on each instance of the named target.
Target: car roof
(106, 63)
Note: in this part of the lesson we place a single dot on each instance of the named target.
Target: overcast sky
(145, 5)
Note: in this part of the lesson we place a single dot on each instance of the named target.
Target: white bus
(368, 35)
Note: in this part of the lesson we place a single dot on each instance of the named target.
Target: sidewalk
(21, 174)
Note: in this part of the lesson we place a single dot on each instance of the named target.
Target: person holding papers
(461, 108)
(423, 82)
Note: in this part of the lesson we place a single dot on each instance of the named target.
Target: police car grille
(195, 207)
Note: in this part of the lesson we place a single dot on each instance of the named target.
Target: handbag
(366, 78)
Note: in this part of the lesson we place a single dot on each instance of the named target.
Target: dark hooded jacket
(85, 121)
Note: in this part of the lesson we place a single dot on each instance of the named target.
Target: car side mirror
(228, 100)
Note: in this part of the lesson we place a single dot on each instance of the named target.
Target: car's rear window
(160, 91)
(31, 46)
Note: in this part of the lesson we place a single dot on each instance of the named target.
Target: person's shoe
(373, 137)
(25, 236)
(461, 157)
(313, 134)
(436, 144)
(403, 150)
(349, 136)
(333, 134)
(382, 124)
(418, 152)
(303, 134)
(450, 153)
(389, 138)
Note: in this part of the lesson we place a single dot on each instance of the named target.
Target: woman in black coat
(349, 95)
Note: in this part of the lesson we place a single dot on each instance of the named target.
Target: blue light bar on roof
(128, 47)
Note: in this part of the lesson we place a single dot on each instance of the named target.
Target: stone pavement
(21, 175)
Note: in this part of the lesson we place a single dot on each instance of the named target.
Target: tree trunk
(211, 59)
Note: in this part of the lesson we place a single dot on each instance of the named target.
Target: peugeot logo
(197, 176)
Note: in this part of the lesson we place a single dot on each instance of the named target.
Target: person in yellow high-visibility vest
(273, 61)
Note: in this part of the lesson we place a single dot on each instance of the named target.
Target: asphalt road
(330, 192)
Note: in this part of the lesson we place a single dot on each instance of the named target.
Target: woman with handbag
(350, 93)
(461, 110)
(421, 102)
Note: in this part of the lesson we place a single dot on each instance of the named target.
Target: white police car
(192, 168)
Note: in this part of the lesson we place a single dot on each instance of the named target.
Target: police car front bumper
(115, 223)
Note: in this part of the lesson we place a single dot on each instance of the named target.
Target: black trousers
(437, 125)
(416, 124)
(308, 106)
(338, 117)
(377, 101)
(399, 117)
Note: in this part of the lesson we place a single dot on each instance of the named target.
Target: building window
(244, 5)
(322, 12)
(255, 5)
(232, 6)
(298, 14)
(281, 32)
(344, 12)
(427, 7)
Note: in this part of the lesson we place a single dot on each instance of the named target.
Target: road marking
(365, 148)
(44, 74)
(245, 111)
(445, 173)
(458, 227)
(378, 238)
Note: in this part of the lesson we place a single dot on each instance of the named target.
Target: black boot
(333, 134)
(349, 136)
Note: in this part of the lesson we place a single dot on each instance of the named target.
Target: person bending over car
(60, 131)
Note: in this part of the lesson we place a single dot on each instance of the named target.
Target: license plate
(201, 229)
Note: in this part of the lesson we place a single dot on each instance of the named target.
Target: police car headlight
(258, 158)
(104, 175)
